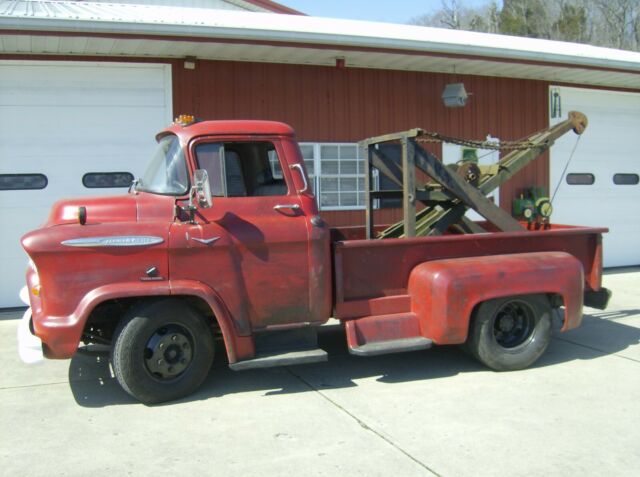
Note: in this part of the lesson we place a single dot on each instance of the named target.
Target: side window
(274, 162)
(208, 157)
(262, 168)
(239, 169)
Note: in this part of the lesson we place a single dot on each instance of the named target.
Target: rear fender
(445, 292)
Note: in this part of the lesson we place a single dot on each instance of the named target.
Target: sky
(394, 11)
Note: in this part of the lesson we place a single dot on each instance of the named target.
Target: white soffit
(59, 28)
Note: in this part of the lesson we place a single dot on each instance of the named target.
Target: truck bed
(371, 276)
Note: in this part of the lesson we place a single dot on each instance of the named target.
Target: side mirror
(201, 188)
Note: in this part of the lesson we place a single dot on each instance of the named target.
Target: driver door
(252, 246)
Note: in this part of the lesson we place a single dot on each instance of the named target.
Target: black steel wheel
(510, 333)
(162, 351)
(169, 352)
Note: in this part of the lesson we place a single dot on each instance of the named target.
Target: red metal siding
(346, 105)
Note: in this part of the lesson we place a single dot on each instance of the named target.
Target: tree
(571, 25)
(620, 22)
(455, 15)
(612, 23)
(525, 18)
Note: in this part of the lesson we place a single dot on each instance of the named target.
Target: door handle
(286, 206)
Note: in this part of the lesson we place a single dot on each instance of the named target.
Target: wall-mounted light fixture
(555, 100)
(341, 62)
(190, 63)
(454, 95)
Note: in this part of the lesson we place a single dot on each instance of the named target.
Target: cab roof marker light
(184, 120)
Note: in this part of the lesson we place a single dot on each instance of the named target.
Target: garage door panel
(71, 128)
(620, 244)
(589, 149)
(606, 148)
(90, 85)
(25, 202)
(64, 177)
(10, 284)
(622, 238)
(80, 97)
(22, 219)
(63, 120)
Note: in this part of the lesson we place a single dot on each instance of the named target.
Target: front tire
(510, 333)
(162, 351)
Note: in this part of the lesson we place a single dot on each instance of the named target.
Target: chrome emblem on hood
(114, 241)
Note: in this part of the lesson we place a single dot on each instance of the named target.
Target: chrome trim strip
(206, 241)
(114, 241)
(304, 178)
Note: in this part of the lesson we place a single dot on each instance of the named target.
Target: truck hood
(121, 208)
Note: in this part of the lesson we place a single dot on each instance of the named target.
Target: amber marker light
(184, 120)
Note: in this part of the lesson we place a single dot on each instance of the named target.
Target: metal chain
(434, 137)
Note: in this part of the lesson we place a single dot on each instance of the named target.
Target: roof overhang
(95, 29)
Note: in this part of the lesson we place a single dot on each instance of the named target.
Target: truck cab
(262, 230)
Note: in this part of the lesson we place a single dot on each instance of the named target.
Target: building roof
(85, 28)
(246, 5)
(274, 7)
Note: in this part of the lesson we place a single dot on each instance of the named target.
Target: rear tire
(510, 333)
(162, 351)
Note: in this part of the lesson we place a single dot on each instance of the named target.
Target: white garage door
(601, 184)
(60, 121)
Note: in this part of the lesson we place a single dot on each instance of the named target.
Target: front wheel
(162, 351)
(510, 333)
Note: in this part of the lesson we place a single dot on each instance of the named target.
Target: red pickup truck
(221, 238)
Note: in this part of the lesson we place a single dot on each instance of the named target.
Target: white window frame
(315, 178)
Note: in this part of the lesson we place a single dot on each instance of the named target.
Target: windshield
(167, 172)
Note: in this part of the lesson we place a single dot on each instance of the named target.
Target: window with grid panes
(337, 173)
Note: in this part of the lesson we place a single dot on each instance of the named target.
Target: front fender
(61, 334)
(238, 347)
(445, 292)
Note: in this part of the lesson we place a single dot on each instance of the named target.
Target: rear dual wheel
(162, 351)
(510, 333)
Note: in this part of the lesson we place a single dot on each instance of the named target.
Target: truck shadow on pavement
(600, 335)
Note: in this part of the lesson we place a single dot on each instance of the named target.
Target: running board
(270, 360)
(374, 348)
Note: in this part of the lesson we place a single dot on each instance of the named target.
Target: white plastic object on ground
(29, 346)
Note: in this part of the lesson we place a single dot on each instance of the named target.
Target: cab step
(270, 360)
(284, 348)
(383, 334)
(392, 346)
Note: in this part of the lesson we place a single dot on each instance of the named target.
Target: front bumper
(29, 345)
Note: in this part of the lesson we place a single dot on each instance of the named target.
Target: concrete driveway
(435, 412)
